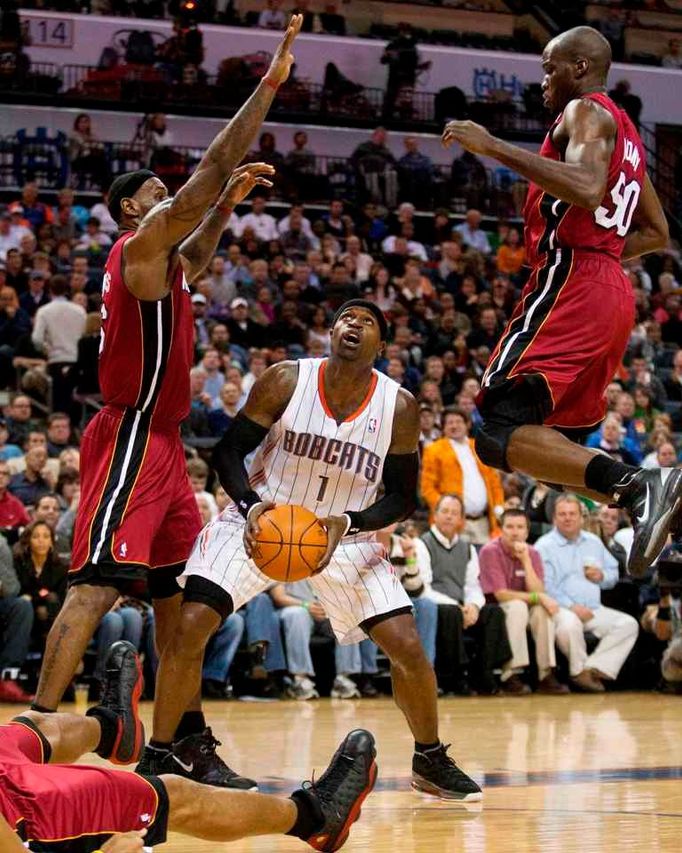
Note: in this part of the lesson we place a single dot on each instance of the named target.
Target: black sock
(309, 819)
(108, 721)
(426, 747)
(42, 710)
(192, 723)
(159, 746)
(603, 474)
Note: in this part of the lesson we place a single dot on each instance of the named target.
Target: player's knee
(406, 651)
(195, 628)
(492, 440)
(90, 599)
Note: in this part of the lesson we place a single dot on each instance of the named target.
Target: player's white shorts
(357, 585)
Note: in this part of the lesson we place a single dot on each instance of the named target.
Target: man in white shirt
(284, 224)
(261, 223)
(9, 239)
(361, 260)
(471, 232)
(106, 222)
(415, 249)
(449, 568)
(58, 328)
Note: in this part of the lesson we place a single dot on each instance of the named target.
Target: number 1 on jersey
(323, 488)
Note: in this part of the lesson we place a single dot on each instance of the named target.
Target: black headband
(369, 306)
(125, 186)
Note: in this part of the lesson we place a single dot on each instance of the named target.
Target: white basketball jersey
(308, 459)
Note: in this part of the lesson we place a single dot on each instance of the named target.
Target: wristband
(225, 209)
(534, 598)
(664, 614)
(410, 561)
(246, 503)
(306, 604)
(271, 83)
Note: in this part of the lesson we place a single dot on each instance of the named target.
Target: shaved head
(575, 62)
(587, 44)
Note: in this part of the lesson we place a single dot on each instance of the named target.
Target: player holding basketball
(137, 512)
(589, 205)
(330, 432)
(56, 806)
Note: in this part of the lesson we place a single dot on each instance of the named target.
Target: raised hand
(474, 137)
(283, 59)
(243, 180)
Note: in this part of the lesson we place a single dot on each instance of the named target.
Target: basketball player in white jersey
(329, 433)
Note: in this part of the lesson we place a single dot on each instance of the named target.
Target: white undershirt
(475, 494)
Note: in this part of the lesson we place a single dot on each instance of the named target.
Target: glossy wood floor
(576, 773)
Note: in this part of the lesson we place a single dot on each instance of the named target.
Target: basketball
(290, 543)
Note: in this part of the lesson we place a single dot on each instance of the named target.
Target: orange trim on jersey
(99, 500)
(361, 408)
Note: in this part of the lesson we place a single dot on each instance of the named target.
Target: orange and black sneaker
(123, 685)
(342, 789)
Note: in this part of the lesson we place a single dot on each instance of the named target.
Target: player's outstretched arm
(171, 221)
(197, 250)
(266, 403)
(588, 131)
(649, 232)
(401, 472)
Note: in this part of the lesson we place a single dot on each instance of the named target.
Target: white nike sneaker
(344, 688)
(303, 689)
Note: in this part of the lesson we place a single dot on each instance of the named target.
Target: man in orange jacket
(450, 465)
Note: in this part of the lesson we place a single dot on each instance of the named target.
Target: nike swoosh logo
(645, 514)
(186, 767)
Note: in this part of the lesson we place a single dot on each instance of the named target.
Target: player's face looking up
(356, 336)
(151, 193)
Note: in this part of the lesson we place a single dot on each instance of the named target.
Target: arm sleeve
(241, 437)
(473, 594)
(400, 495)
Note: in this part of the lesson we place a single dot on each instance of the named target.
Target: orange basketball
(290, 543)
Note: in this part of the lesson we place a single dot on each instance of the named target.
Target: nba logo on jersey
(123, 550)
(372, 424)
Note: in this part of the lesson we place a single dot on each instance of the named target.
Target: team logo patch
(372, 424)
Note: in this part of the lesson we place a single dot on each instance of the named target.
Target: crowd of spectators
(268, 294)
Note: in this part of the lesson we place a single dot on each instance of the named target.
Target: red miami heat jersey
(553, 224)
(147, 347)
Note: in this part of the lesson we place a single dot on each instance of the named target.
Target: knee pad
(162, 582)
(202, 591)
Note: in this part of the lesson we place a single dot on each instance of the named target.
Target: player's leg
(320, 813)
(72, 630)
(415, 693)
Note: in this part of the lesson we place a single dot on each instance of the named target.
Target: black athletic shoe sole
(425, 786)
(129, 741)
(651, 535)
(327, 844)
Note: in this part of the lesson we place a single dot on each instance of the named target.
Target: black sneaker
(434, 772)
(654, 501)
(121, 690)
(342, 789)
(153, 762)
(195, 757)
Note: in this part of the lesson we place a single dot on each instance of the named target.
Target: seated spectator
(222, 415)
(100, 211)
(375, 165)
(415, 249)
(672, 58)
(486, 330)
(215, 378)
(219, 655)
(35, 480)
(665, 455)
(577, 567)
(673, 383)
(42, 576)
(512, 572)
(9, 238)
(511, 256)
(16, 625)
(339, 288)
(471, 232)
(34, 211)
(415, 174)
(48, 509)
(261, 223)
(301, 221)
(7, 450)
(94, 240)
(15, 324)
(198, 472)
(449, 567)
(450, 466)
(664, 617)
(643, 376)
(362, 261)
(469, 179)
(645, 410)
(257, 366)
(13, 513)
(272, 17)
(58, 434)
(87, 154)
(36, 296)
(609, 439)
(295, 242)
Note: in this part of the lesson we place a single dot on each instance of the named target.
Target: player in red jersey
(590, 204)
(137, 513)
(53, 805)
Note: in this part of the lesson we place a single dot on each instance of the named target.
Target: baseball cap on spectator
(239, 302)
(199, 297)
(39, 274)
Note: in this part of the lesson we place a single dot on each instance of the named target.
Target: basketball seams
(287, 553)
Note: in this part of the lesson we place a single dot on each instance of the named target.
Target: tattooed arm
(197, 250)
(169, 222)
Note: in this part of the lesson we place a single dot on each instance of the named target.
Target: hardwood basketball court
(564, 774)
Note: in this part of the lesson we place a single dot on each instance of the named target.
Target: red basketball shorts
(72, 807)
(137, 510)
(571, 328)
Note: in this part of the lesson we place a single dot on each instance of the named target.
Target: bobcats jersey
(309, 459)
(551, 224)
